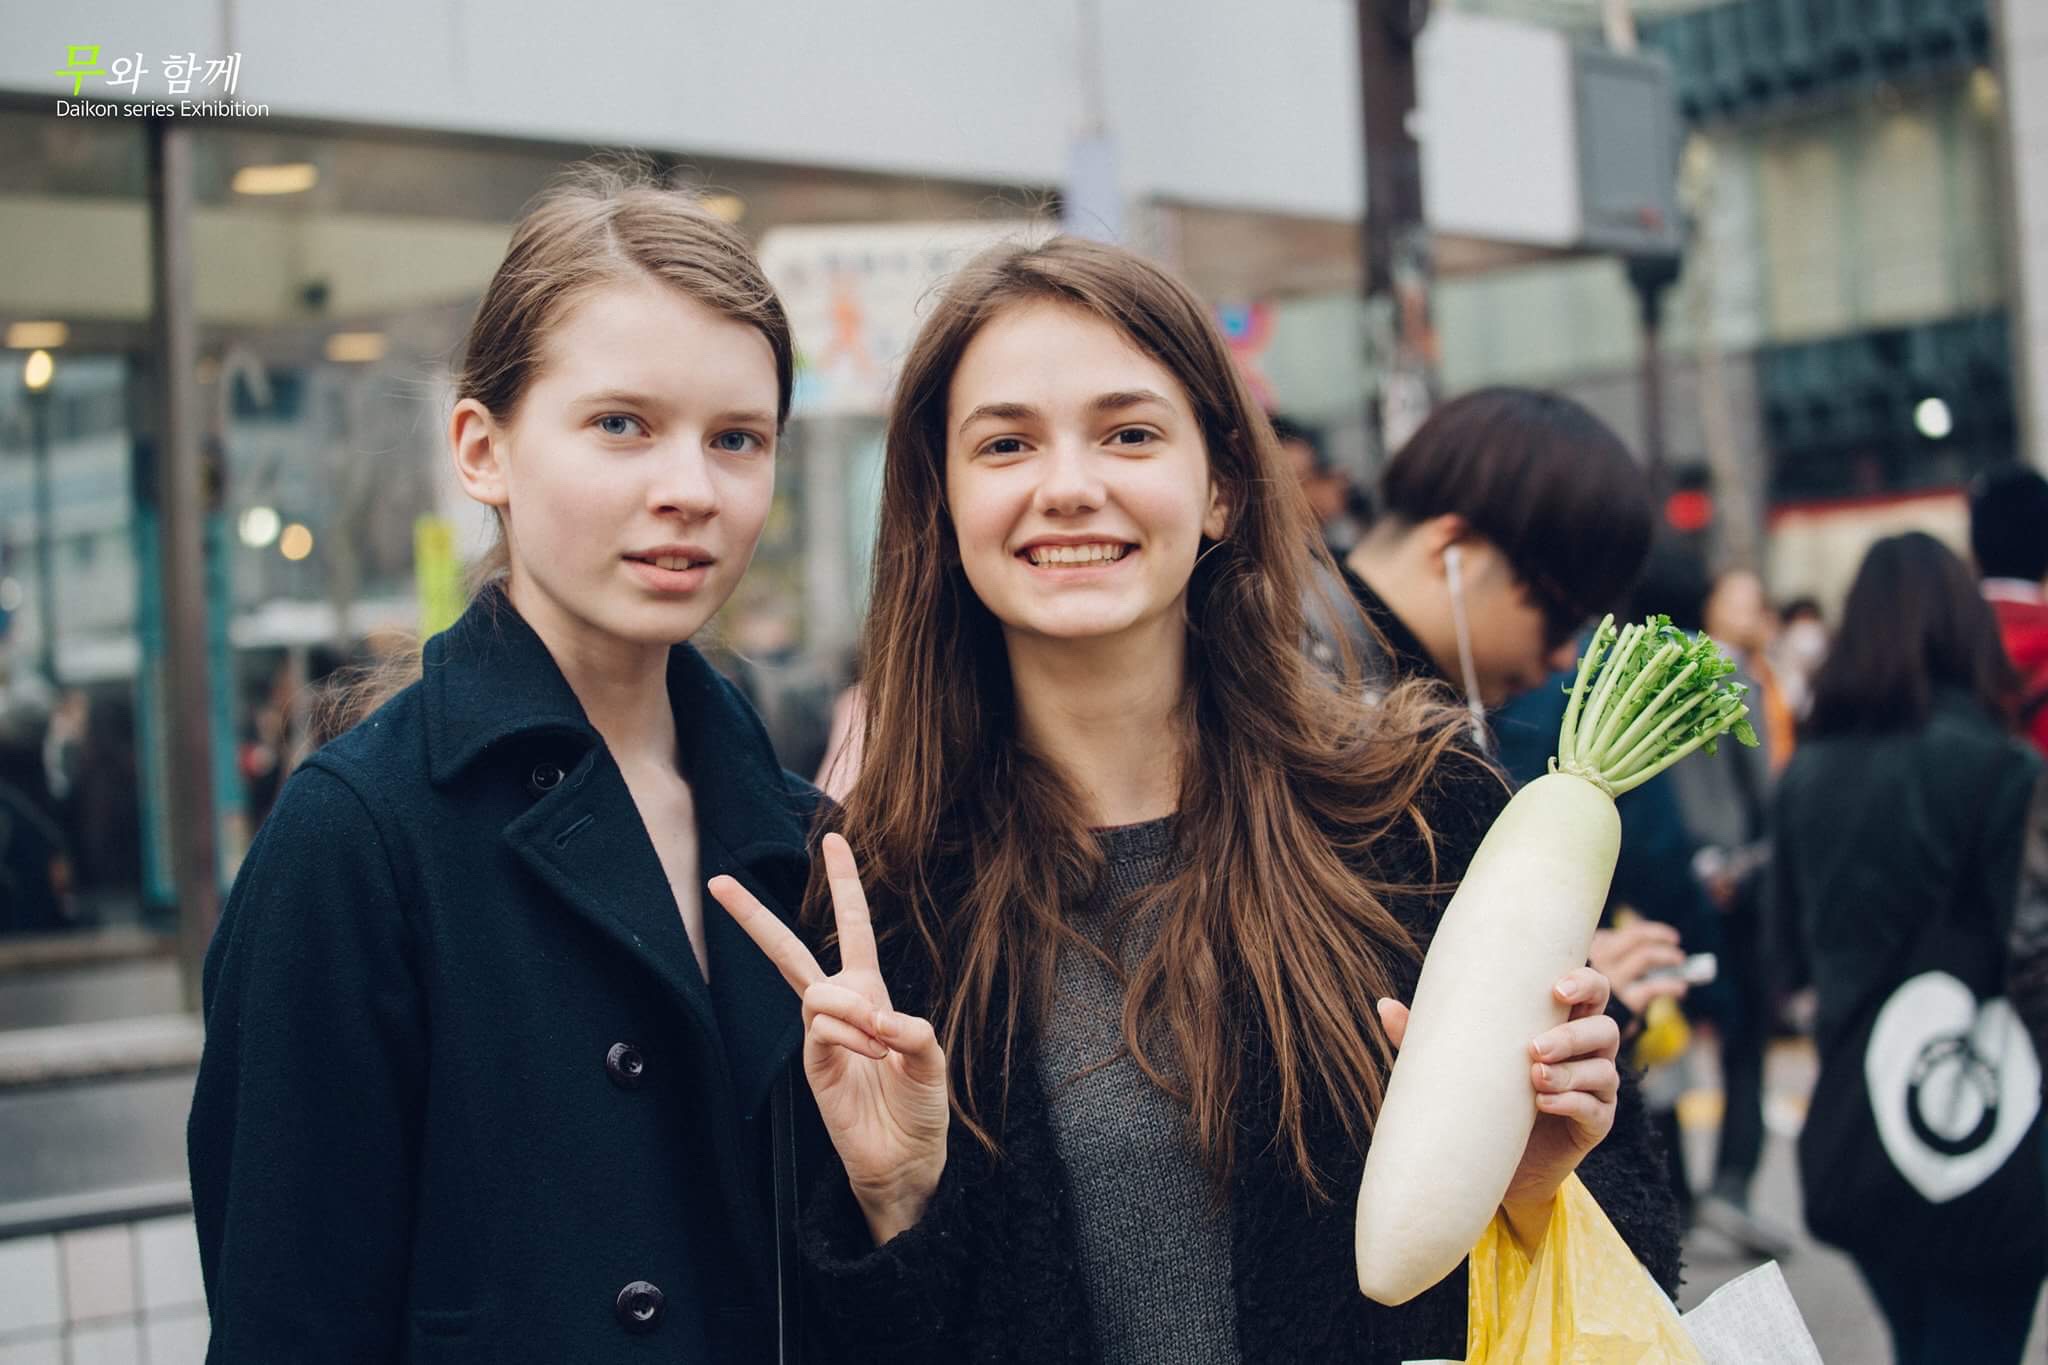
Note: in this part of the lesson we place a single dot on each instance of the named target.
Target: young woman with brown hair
(482, 1081)
(1103, 1064)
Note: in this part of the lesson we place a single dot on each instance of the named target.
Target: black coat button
(544, 778)
(625, 1065)
(638, 1307)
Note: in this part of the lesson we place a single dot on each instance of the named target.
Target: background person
(1899, 829)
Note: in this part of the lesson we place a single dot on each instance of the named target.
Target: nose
(682, 484)
(1071, 482)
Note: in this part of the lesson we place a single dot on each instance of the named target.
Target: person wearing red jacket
(2009, 537)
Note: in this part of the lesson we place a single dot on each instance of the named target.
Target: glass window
(74, 301)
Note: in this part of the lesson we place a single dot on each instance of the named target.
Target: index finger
(769, 933)
(850, 907)
(1585, 989)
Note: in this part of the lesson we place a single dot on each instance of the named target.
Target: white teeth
(1077, 554)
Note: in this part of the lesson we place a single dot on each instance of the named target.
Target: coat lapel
(752, 824)
(585, 839)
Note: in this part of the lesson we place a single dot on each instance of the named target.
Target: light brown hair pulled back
(602, 222)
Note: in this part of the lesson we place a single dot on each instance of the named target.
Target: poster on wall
(856, 295)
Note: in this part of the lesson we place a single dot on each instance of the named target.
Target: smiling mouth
(1074, 556)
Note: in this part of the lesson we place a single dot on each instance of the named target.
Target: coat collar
(489, 682)
(486, 680)
(489, 679)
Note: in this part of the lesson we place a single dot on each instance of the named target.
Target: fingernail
(1568, 989)
(1543, 1075)
(885, 1021)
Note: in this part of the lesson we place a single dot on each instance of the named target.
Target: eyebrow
(632, 398)
(744, 417)
(1116, 401)
(624, 397)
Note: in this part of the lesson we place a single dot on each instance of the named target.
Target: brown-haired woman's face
(639, 469)
(1076, 475)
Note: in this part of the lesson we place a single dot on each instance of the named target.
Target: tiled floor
(125, 1294)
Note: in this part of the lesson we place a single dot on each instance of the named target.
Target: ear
(1216, 521)
(479, 445)
(1438, 534)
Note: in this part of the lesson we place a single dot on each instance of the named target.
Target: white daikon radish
(1460, 1103)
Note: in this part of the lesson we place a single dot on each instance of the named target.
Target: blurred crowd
(1889, 829)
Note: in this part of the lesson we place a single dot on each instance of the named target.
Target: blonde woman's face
(1076, 475)
(639, 469)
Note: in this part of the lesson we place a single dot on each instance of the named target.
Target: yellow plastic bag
(1665, 1034)
(1582, 1299)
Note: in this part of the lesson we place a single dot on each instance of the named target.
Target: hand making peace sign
(879, 1076)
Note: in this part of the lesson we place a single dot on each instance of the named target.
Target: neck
(1388, 560)
(622, 685)
(1102, 712)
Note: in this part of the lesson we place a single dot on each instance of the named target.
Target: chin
(651, 623)
(1074, 625)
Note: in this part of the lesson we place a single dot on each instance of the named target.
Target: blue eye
(625, 427)
(738, 442)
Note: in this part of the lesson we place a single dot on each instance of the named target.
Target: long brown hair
(1274, 922)
(601, 222)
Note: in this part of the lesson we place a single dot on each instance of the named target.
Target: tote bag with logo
(1923, 1140)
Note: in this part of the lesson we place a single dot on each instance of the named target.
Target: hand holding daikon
(1574, 1071)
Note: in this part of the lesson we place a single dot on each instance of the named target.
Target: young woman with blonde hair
(482, 1081)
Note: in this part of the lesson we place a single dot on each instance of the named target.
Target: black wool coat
(989, 1274)
(466, 1095)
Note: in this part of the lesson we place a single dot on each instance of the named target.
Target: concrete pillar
(2022, 55)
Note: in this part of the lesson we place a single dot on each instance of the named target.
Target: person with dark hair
(1798, 651)
(1898, 837)
(1330, 495)
(2026, 980)
(1510, 519)
(1725, 799)
(2009, 537)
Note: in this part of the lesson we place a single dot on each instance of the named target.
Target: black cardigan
(989, 1273)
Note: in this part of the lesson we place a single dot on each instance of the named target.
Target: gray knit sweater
(1155, 1246)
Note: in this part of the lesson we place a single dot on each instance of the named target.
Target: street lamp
(36, 374)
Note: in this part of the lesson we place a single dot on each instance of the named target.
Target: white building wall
(1211, 101)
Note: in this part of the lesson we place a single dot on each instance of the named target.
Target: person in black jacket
(1101, 1059)
(481, 1081)
(1899, 827)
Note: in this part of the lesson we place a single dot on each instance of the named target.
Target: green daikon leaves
(1647, 695)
